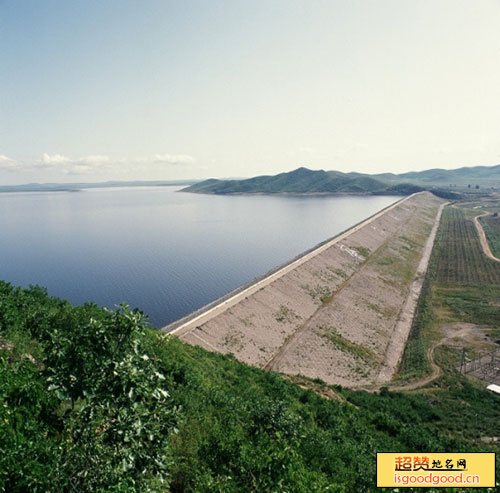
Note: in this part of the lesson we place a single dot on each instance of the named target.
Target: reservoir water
(165, 252)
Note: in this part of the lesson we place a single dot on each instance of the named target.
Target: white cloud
(96, 164)
(73, 166)
(8, 163)
(59, 159)
(98, 160)
(173, 159)
(95, 160)
(55, 159)
(77, 169)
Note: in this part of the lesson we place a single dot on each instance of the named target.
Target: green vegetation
(363, 251)
(286, 314)
(83, 404)
(461, 259)
(491, 226)
(449, 184)
(396, 261)
(471, 178)
(301, 180)
(91, 400)
(338, 272)
(415, 362)
(318, 292)
(345, 345)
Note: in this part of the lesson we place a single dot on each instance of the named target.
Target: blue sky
(121, 89)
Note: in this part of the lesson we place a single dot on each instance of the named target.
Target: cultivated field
(461, 258)
(460, 303)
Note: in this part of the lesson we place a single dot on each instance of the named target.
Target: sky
(162, 90)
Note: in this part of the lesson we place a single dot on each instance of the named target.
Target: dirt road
(482, 237)
(401, 332)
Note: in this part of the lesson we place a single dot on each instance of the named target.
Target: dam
(341, 312)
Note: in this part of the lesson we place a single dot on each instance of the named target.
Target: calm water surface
(167, 253)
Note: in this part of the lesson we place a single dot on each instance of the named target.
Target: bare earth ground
(340, 313)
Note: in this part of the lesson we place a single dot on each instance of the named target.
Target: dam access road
(341, 312)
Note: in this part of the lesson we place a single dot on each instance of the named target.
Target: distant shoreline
(78, 187)
(300, 194)
(34, 190)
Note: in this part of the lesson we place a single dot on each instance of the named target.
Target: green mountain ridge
(305, 181)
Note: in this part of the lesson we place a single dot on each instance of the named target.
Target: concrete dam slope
(342, 312)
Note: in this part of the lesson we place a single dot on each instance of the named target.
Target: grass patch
(285, 314)
(346, 346)
(318, 292)
(338, 272)
(363, 251)
(491, 226)
(473, 304)
(414, 362)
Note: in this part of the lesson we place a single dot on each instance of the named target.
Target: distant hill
(74, 187)
(302, 180)
(445, 183)
(484, 176)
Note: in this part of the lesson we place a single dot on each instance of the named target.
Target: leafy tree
(116, 431)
